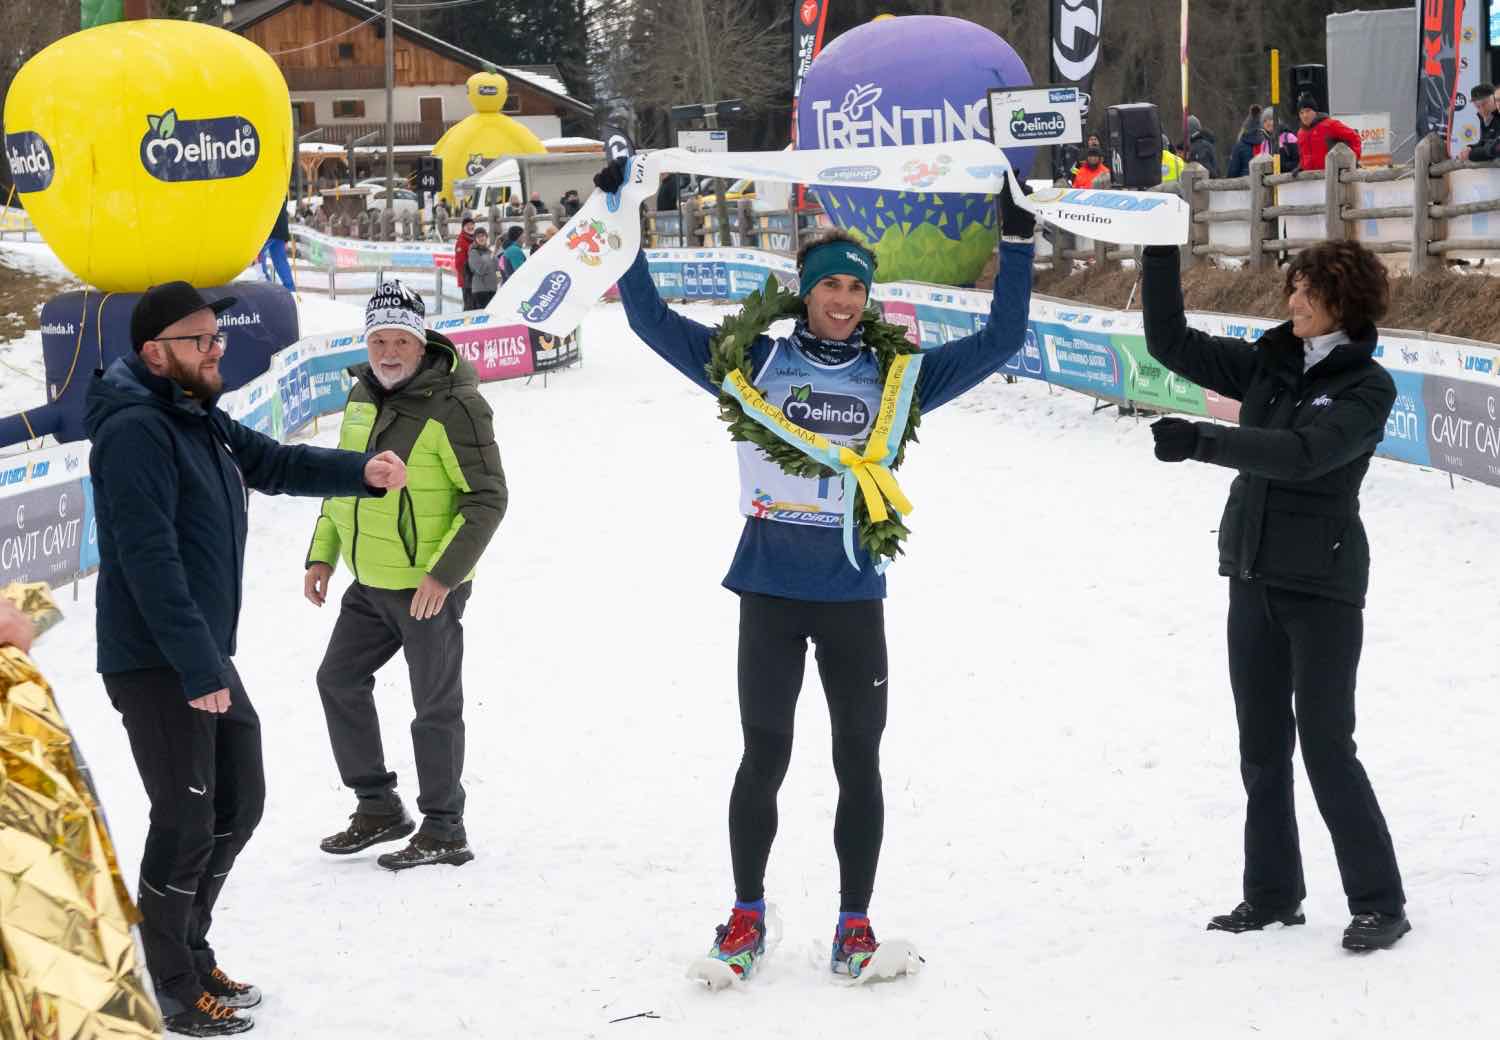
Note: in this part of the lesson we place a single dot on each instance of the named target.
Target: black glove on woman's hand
(1015, 222)
(1176, 439)
(612, 176)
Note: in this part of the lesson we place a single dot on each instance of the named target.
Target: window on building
(512, 104)
(306, 113)
(431, 109)
(348, 108)
(346, 52)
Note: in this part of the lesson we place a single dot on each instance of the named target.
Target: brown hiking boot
(423, 850)
(366, 829)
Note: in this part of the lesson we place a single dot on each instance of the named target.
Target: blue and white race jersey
(838, 401)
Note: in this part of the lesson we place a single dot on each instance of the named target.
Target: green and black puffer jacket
(455, 494)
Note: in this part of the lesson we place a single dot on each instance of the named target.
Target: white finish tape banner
(556, 287)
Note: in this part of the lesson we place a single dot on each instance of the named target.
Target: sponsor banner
(1041, 115)
(1406, 429)
(1374, 129)
(1027, 362)
(703, 140)
(42, 533)
(1074, 27)
(88, 549)
(1448, 66)
(496, 351)
(549, 352)
(322, 250)
(1463, 427)
(43, 468)
(1149, 382)
(1081, 359)
(903, 313)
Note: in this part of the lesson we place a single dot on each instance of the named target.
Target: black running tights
(849, 645)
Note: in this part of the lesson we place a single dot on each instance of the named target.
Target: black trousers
(481, 299)
(204, 777)
(849, 642)
(1292, 664)
(373, 624)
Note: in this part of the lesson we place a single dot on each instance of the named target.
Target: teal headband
(837, 257)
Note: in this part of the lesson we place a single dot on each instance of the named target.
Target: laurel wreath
(728, 350)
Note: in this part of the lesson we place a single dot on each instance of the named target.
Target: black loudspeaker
(1309, 79)
(1134, 145)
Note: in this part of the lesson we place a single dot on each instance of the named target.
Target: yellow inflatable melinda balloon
(149, 151)
(483, 137)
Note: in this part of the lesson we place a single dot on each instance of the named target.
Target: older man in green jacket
(412, 557)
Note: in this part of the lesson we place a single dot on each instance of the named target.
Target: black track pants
(849, 643)
(204, 777)
(1292, 651)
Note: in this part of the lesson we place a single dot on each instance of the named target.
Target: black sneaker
(423, 850)
(208, 1016)
(237, 995)
(1375, 931)
(1248, 918)
(366, 829)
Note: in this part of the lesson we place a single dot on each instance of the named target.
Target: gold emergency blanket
(69, 968)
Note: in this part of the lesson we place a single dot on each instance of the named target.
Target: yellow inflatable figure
(483, 137)
(149, 151)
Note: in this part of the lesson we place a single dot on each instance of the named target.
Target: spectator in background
(1319, 133)
(1488, 145)
(276, 245)
(536, 207)
(484, 271)
(1091, 170)
(569, 204)
(461, 259)
(513, 208)
(1252, 137)
(1200, 147)
(1171, 162)
(440, 217)
(512, 256)
(1281, 141)
(1075, 156)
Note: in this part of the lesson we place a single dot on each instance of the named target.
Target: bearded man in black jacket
(1313, 406)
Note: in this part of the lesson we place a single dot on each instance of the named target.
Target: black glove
(1015, 222)
(612, 176)
(1176, 439)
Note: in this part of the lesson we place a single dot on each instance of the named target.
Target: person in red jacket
(1090, 170)
(461, 260)
(1319, 133)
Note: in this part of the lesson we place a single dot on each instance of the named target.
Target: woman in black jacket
(1313, 406)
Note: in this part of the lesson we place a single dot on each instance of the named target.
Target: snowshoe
(737, 951)
(859, 956)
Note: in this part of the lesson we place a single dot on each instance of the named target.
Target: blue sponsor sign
(88, 558)
(1406, 429)
(1081, 360)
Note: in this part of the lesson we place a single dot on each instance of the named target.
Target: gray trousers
(373, 624)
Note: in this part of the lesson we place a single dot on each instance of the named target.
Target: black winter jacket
(1201, 151)
(171, 484)
(1488, 145)
(1302, 446)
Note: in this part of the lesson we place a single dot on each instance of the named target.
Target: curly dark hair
(833, 235)
(1346, 278)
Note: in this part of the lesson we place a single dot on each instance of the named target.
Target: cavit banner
(1075, 29)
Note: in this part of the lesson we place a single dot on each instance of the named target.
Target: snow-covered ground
(1063, 801)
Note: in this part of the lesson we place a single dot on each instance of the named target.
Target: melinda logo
(1034, 126)
(548, 297)
(849, 174)
(825, 413)
(199, 149)
(31, 162)
(488, 90)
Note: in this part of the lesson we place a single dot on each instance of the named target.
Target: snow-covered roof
(537, 79)
(572, 142)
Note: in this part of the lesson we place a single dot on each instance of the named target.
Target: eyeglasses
(204, 341)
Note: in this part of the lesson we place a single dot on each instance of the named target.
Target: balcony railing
(340, 77)
(406, 133)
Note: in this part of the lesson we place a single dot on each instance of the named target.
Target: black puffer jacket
(1302, 447)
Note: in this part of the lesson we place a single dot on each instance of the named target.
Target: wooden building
(332, 53)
